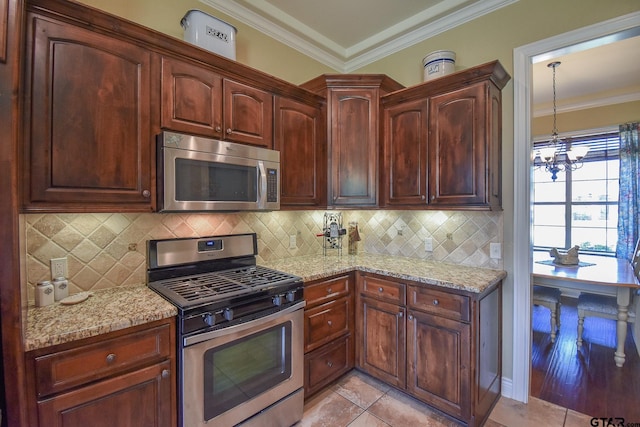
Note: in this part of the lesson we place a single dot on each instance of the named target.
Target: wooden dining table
(605, 275)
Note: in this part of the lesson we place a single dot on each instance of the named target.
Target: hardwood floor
(588, 380)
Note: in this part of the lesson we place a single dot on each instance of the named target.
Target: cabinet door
(191, 98)
(458, 150)
(354, 147)
(404, 159)
(89, 133)
(139, 398)
(439, 363)
(248, 114)
(381, 341)
(299, 138)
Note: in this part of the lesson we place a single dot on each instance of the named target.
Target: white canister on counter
(60, 288)
(44, 293)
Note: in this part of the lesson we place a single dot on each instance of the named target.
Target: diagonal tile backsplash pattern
(105, 250)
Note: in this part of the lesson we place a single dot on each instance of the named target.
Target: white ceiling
(349, 34)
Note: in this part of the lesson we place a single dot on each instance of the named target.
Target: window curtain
(629, 199)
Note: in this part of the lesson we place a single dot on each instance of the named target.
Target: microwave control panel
(272, 185)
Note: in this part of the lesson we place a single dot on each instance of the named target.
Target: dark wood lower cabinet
(125, 378)
(328, 331)
(139, 398)
(441, 346)
(381, 335)
(438, 355)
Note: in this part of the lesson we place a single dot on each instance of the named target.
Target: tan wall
(592, 118)
(252, 47)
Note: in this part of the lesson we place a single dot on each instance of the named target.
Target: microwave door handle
(262, 186)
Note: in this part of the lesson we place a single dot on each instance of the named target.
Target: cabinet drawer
(326, 322)
(318, 293)
(441, 303)
(381, 289)
(66, 369)
(327, 364)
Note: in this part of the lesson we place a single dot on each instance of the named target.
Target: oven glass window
(198, 180)
(242, 369)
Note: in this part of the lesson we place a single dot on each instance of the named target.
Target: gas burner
(213, 280)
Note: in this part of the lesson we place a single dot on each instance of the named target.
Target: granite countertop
(107, 310)
(117, 308)
(314, 267)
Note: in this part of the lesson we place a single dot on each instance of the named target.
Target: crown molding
(346, 60)
(427, 31)
(590, 103)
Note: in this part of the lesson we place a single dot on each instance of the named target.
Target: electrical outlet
(495, 250)
(293, 241)
(428, 244)
(58, 267)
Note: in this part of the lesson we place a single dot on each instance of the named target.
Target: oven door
(231, 374)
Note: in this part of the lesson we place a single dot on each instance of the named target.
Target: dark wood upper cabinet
(196, 99)
(88, 130)
(404, 154)
(191, 98)
(299, 137)
(353, 115)
(456, 122)
(248, 114)
(464, 147)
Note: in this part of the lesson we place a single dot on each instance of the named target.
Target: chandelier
(558, 155)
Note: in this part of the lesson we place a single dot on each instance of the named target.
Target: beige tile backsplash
(109, 249)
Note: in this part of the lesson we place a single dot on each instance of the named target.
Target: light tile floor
(358, 400)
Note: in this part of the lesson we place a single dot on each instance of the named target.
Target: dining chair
(550, 298)
(607, 306)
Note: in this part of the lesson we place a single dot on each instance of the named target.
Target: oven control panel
(210, 319)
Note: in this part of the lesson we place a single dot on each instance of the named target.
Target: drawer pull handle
(329, 323)
(165, 373)
(111, 358)
(328, 290)
(329, 363)
(380, 289)
(436, 302)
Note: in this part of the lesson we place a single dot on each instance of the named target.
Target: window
(581, 206)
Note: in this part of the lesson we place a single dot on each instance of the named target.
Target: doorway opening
(608, 31)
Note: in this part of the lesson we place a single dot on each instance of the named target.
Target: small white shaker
(44, 293)
(60, 288)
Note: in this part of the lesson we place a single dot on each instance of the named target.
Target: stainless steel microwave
(201, 174)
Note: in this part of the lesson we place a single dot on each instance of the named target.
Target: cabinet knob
(229, 131)
(329, 322)
(328, 290)
(329, 363)
(411, 317)
(111, 358)
(423, 197)
(400, 314)
(165, 373)
(146, 193)
(433, 197)
(436, 302)
(380, 289)
(218, 129)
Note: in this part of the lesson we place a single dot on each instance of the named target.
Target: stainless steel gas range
(240, 331)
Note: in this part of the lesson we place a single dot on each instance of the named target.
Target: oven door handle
(241, 326)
